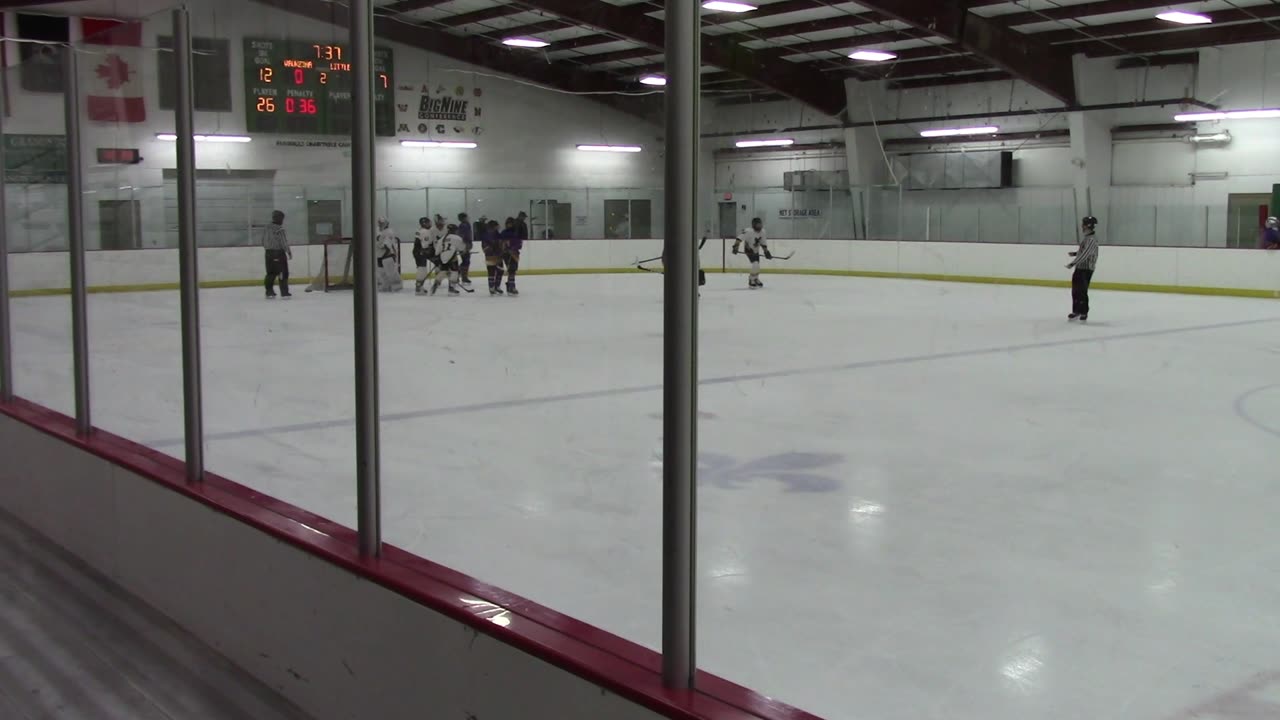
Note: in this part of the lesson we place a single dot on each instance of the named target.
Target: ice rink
(918, 500)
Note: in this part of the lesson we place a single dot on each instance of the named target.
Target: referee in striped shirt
(1086, 259)
(276, 245)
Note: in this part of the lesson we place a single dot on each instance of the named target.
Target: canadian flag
(115, 82)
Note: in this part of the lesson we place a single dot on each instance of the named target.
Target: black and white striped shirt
(1087, 255)
(273, 238)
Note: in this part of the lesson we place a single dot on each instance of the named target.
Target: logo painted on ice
(796, 471)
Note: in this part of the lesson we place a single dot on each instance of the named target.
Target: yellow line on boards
(1125, 287)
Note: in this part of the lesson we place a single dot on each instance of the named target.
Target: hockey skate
(495, 291)
(511, 290)
(1073, 316)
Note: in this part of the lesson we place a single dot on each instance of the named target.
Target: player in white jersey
(424, 241)
(389, 279)
(448, 254)
(753, 241)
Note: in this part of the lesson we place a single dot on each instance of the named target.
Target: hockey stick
(642, 268)
(788, 256)
(642, 262)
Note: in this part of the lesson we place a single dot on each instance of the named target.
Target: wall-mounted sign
(799, 213)
(119, 156)
(35, 159)
(440, 109)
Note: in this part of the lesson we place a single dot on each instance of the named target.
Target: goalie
(387, 252)
(752, 242)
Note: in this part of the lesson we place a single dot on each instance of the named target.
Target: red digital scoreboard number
(119, 156)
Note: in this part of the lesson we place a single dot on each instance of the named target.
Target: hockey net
(335, 267)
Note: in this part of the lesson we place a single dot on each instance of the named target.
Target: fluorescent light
(872, 55)
(1252, 114)
(525, 42)
(1184, 18)
(170, 137)
(1199, 116)
(953, 132)
(655, 80)
(1262, 113)
(611, 148)
(775, 142)
(733, 7)
(459, 145)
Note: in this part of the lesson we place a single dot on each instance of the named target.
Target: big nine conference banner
(445, 109)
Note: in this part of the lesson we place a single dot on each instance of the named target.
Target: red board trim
(618, 665)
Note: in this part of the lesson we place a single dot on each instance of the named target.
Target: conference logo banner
(440, 110)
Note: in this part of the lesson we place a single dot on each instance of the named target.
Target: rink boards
(1213, 271)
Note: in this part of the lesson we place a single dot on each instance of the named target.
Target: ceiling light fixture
(525, 42)
(654, 80)
(872, 55)
(170, 137)
(1184, 18)
(455, 144)
(611, 148)
(1260, 114)
(774, 142)
(954, 132)
(1223, 138)
(733, 7)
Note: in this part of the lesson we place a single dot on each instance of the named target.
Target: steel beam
(1009, 50)
(766, 67)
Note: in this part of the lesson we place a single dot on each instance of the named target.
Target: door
(324, 220)
(562, 220)
(1246, 216)
(728, 219)
(617, 219)
(119, 226)
(550, 219)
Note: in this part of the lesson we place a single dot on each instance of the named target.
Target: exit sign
(119, 156)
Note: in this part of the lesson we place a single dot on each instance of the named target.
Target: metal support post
(75, 233)
(188, 270)
(680, 345)
(6, 335)
(368, 511)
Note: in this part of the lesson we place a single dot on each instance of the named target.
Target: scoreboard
(303, 88)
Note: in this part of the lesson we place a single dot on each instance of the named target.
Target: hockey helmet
(1273, 223)
(1089, 222)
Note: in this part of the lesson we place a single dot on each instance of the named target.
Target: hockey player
(1271, 235)
(753, 241)
(424, 242)
(388, 244)
(1086, 260)
(491, 242)
(448, 249)
(512, 242)
(465, 232)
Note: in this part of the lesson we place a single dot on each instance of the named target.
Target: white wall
(1164, 191)
(528, 143)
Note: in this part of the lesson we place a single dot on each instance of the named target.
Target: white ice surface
(919, 500)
